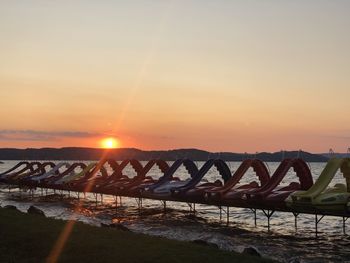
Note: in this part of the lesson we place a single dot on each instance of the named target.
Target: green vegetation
(30, 238)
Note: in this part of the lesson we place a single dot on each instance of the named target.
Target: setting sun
(109, 143)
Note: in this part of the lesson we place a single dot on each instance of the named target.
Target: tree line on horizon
(79, 153)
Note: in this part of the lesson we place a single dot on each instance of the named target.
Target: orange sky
(241, 76)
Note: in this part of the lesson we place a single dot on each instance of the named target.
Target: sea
(283, 242)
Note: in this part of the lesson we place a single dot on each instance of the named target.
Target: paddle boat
(321, 197)
(233, 190)
(20, 168)
(162, 188)
(40, 169)
(272, 195)
(194, 190)
(122, 184)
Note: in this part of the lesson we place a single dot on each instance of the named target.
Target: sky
(241, 76)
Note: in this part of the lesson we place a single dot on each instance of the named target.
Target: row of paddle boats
(263, 191)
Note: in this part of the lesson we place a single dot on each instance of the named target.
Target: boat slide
(194, 189)
(71, 177)
(124, 184)
(50, 173)
(17, 166)
(299, 195)
(28, 167)
(320, 195)
(51, 181)
(274, 194)
(41, 169)
(168, 176)
(261, 171)
(167, 182)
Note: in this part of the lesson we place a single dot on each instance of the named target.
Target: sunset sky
(242, 76)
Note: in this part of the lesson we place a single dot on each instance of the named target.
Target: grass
(30, 238)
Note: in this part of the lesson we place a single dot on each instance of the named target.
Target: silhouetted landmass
(77, 153)
(339, 155)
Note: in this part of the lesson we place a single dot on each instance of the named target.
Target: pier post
(254, 212)
(295, 221)
(228, 216)
(116, 204)
(317, 220)
(255, 218)
(192, 207)
(96, 201)
(268, 214)
(344, 221)
(220, 213)
(164, 207)
(139, 202)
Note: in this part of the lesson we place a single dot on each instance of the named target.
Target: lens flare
(109, 143)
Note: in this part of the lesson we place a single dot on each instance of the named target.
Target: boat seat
(291, 186)
(336, 188)
(253, 184)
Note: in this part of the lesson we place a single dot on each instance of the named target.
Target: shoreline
(98, 244)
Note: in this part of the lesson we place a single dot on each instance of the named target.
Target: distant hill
(339, 155)
(78, 153)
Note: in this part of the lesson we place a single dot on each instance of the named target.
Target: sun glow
(109, 143)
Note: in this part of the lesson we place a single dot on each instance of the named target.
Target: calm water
(282, 243)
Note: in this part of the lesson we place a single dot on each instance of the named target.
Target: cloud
(338, 137)
(34, 135)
